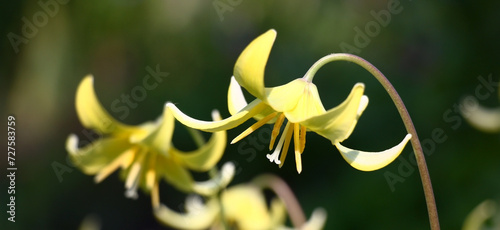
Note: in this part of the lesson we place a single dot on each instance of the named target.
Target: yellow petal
(123, 160)
(298, 99)
(369, 161)
(337, 124)
(246, 113)
(206, 156)
(217, 182)
(201, 217)
(91, 113)
(97, 155)
(246, 206)
(179, 177)
(250, 66)
(277, 213)
(174, 174)
(160, 139)
(485, 119)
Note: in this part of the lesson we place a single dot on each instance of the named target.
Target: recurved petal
(161, 138)
(245, 205)
(217, 182)
(337, 123)
(277, 213)
(175, 174)
(255, 107)
(369, 161)
(485, 119)
(317, 220)
(199, 216)
(90, 111)
(205, 157)
(250, 66)
(97, 155)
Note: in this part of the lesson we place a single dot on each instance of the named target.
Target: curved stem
(405, 116)
(284, 192)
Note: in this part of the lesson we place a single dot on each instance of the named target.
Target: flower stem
(405, 116)
(284, 192)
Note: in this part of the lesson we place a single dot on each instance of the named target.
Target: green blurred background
(434, 52)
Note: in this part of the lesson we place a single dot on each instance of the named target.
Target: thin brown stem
(283, 191)
(405, 116)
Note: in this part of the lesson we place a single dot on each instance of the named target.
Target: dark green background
(432, 51)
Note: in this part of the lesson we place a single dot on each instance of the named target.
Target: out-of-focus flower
(145, 152)
(239, 207)
(482, 118)
(478, 217)
(298, 102)
(91, 222)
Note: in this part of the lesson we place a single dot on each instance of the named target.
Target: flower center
(291, 129)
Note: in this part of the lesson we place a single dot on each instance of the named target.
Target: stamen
(132, 180)
(155, 195)
(276, 130)
(299, 141)
(151, 172)
(298, 162)
(254, 127)
(288, 138)
(124, 158)
(296, 137)
(274, 156)
(303, 132)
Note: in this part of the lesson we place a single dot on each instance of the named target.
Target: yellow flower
(242, 207)
(482, 118)
(298, 102)
(143, 152)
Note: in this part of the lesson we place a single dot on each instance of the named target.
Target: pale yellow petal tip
(298, 161)
(72, 144)
(370, 161)
(271, 32)
(363, 104)
(481, 118)
(359, 85)
(317, 220)
(218, 182)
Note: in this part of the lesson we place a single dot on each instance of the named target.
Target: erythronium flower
(298, 102)
(143, 152)
(238, 207)
(482, 118)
